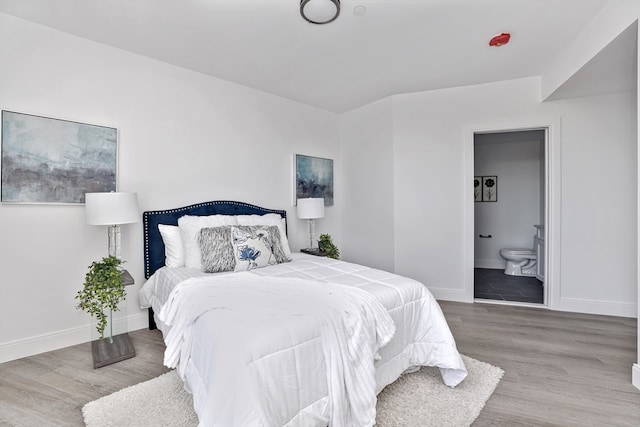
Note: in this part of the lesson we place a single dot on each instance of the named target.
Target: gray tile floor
(495, 285)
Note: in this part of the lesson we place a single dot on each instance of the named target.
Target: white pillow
(251, 249)
(268, 219)
(190, 227)
(173, 249)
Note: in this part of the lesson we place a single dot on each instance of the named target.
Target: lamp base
(312, 230)
(114, 241)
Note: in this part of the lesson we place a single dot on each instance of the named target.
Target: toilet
(520, 262)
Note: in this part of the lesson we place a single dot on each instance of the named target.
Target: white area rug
(417, 399)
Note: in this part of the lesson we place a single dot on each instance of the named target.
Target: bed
(283, 338)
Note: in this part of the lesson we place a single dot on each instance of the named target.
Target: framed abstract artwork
(313, 178)
(47, 160)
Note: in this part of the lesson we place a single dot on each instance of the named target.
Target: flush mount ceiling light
(320, 11)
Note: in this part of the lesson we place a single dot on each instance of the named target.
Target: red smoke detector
(500, 39)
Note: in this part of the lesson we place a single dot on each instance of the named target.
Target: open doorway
(509, 216)
(552, 203)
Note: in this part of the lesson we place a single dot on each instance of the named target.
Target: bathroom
(509, 212)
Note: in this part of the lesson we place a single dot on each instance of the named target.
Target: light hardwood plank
(561, 369)
(51, 388)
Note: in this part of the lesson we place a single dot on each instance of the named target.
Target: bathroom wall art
(477, 188)
(489, 188)
(47, 160)
(313, 178)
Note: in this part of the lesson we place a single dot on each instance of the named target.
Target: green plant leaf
(102, 291)
(327, 246)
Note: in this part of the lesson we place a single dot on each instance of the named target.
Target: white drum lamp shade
(310, 209)
(111, 208)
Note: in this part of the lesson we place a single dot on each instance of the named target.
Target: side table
(313, 251)
(114, 348)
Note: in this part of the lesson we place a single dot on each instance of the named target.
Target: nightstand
(316, 252)
(114, 348)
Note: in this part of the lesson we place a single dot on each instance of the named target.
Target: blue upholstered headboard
(153, 244)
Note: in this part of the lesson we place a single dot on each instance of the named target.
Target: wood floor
(51, 388)
(561, 369)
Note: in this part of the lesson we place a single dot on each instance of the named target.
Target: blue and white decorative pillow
(252, 248)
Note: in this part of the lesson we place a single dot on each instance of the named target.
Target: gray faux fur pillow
(216, 249)
(276, 242)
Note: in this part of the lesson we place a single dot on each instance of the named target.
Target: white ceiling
(396, 46)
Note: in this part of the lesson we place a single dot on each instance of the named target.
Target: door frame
(553, 188)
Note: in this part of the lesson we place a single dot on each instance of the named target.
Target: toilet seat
(517, 251)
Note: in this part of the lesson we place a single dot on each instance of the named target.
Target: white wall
(367, 150)
(183, 138)
(515, 159)
(598, 227)
(599, 148)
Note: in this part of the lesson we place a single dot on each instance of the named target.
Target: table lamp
(310, 209)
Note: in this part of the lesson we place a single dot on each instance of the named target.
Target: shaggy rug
(416, 399)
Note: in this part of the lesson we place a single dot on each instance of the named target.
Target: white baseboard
(490, 263)
(607, 308)
(635, 375)
(59, 339)
(458, 295)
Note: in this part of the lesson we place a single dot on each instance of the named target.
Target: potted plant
(103, 290)
(326, 245)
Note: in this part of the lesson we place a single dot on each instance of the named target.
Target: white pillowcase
(190, 227)
(173, 249)
(268, 219)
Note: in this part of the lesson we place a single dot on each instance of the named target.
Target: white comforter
(353, 326)
(250, 364)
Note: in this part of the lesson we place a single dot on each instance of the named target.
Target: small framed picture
(477, 188)
(489, 188)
